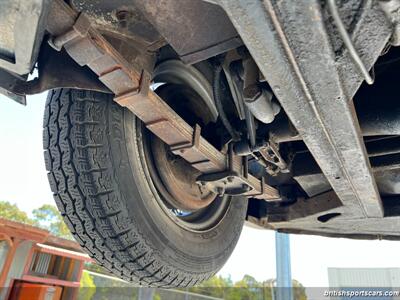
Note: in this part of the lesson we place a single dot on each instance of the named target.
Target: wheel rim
(184, 201)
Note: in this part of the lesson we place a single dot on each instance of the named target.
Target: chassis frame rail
(315, 86)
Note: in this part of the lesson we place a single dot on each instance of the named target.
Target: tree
(12, 212)
(246, 289)
(215, 287)
(299, 292)
(88, 287)
(48, 217)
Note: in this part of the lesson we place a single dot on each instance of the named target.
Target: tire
(95, 158)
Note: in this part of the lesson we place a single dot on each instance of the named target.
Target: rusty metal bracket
(270, 153)
(79, 29)
(190, 149)
(180, 148)
(131, 88)
(228, 182)
(234, 181)
(128, 98)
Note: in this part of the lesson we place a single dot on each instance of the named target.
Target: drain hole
(327, 217)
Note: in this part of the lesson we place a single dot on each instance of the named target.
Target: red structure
(37, 265)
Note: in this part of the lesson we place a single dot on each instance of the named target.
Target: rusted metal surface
(122, 19)
(386, 170)
(173, 130)
(7, 84)
(342, 225)
(58, 70)
(22, 28)
(312, 207)
(270, 153)
(179, 179)
(131, 88)
(391, 9)
(312, 90)
(195, 29)
(185, 141)
(376, 113)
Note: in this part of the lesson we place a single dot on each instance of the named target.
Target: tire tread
(81, 178)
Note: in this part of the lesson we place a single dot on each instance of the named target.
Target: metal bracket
(271, 159)
(181, 148)
(130, 97)
(228, 182)
(270, 153)
(79, 29)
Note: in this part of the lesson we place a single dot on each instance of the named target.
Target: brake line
(348, 43)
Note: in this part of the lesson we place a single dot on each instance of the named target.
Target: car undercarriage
(287, 109)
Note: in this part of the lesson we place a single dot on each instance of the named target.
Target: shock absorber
(258, 100)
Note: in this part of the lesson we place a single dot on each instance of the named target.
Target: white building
(364, 283)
